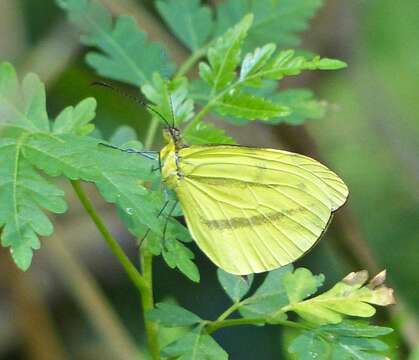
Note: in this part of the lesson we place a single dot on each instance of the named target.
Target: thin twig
(134, 275)
(147, 302)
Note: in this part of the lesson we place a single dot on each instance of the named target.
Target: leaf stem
(229, 311)
(147, 301)
(217, 324)
(191, 60)
(210, 104)
(137, 279)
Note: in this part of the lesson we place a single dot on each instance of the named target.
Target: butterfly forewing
(252, 210)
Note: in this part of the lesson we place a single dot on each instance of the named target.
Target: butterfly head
(172, 134)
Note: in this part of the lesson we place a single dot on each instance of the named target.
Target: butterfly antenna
(129, 96)
(171, 106)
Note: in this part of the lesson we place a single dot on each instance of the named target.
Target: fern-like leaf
(125, 53)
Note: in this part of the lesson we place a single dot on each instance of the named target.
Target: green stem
(216, 325)
(147, 301)
(210, 104)
(190, 61)
(137, 279)
(229, 311)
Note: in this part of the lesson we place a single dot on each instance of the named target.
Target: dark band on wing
(227, 182)
(240, 222)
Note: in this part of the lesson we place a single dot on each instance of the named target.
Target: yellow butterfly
(250, 209)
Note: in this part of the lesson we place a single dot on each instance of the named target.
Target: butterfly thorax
(170, 163)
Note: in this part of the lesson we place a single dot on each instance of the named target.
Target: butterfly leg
(167, 222)
(158, 215)
(147, 154)
(160, 166)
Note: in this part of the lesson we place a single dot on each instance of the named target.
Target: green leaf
(196, 345)
(330, 64)
(76, 120)
(301, 284)
(269, 297)
(308, 346)
(125, 53)
(179, 256)
(329, 342)
(253, 62)
(22, 106)
(23, 193)
(199, 91)
(235, 286)
(125, 134)
(286, 63)
(170, 315)
(190, 21)
(276, 21)
(351, 297)
(358, 348)
(356, 329)
(206, 133)
(249, 107)
(224, 55)
(302, 104)
(118, 181)
(171, 98)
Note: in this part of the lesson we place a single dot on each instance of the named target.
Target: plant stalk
(190, 61)
(147, 302)
(137, 279)
(229, 311)
(216, 325)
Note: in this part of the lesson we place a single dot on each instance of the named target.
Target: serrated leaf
(325, 343)
(255, 61)
(23, 193)
(249, 107)
(126, 54)
(206, 133)
(308, 346)
(224, 55)
(199, 91)
(179, 256)
(269, 297)
(125, 134)
(170, 315)
(349, 297)
(82, 158)
(350, 328)
(287, 63)
(301, 284)
(76, 120)
(234, 286)
(348, 348)
(190, 21)
(275, 21)
(170, 98)
(196, 345)
(22, 105)
(302, 105)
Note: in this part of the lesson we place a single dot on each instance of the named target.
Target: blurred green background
(370, 136)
